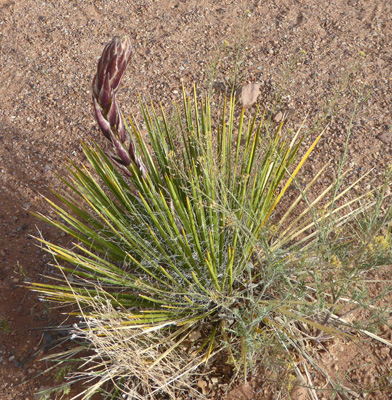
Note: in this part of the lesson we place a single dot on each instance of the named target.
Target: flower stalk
(111, 67)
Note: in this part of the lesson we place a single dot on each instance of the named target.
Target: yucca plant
(179, 255)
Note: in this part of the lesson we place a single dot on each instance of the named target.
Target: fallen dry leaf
(202, 385)
(195, 335)
(214, 380)
(283, 115)
(249, 93)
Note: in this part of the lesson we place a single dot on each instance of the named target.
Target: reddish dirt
(48, 55)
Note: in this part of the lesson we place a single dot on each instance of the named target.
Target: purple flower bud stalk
(111, 67)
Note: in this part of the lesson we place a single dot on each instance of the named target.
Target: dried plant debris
(283, 115)
(247, 94)
(203, 385)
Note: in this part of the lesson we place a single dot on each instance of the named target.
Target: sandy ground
(302, 50)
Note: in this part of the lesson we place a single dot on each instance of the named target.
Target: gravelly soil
(304, 50)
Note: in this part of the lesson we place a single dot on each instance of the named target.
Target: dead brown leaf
(283, 115)
(203, 386)
(248, 94)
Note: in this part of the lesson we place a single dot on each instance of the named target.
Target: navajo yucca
(175, 258)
